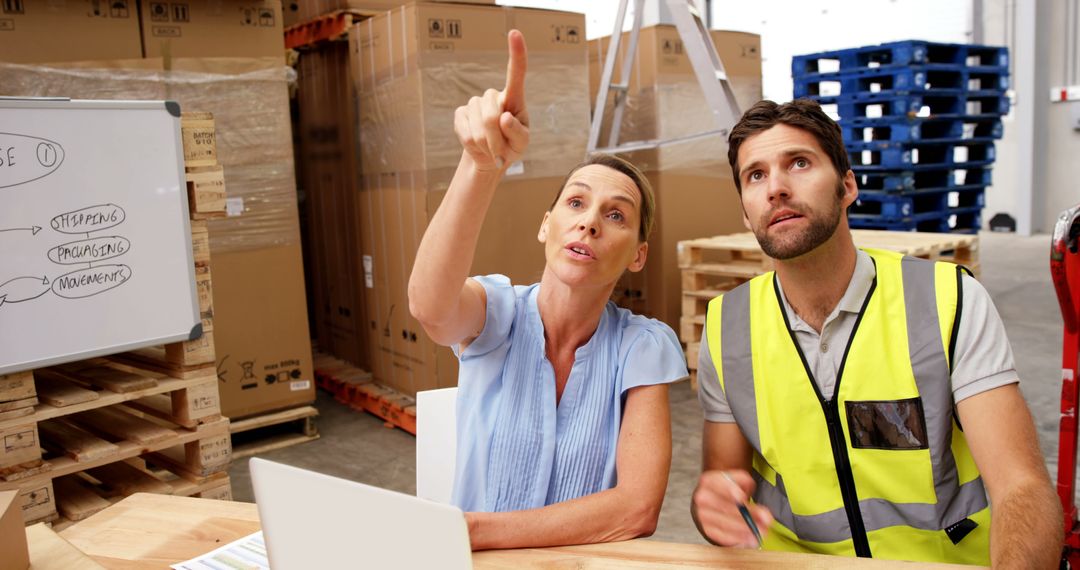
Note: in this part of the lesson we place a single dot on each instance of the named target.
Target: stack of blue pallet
(919, 120)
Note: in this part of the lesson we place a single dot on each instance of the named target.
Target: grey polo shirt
(983, 357)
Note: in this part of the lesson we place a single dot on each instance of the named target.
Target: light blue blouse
(518, 450)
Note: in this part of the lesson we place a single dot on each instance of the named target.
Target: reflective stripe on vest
(897, 356)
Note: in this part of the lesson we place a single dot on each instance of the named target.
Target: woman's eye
(617, 216)
(575, 203)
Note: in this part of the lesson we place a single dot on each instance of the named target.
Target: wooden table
(154, 531)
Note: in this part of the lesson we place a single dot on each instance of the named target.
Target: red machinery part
(1065, 272)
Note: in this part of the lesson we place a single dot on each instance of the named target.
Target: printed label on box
(266, 17)
(181, 13)
(14, 7)
(234, 206)
(300, 385)
(566, 34)
(119, 9)
(159, 12)
(369, 278)
(166, 31)
(436, 28)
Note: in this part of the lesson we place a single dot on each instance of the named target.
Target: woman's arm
(493, 129)
(629, 510)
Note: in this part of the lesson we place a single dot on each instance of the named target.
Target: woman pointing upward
(564, 432)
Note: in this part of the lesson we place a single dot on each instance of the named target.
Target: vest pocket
(893, 424)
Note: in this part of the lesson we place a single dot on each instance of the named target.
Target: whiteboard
(95, 242)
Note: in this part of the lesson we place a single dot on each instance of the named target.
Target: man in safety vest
(866, 402)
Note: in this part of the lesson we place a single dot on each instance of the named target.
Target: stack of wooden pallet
(711, 266)
(82, 435)
(357, 389)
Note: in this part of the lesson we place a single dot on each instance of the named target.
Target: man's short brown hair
(648, 200)
(802, 114)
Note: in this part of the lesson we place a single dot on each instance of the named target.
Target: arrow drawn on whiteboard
(33, 230)
(22, 289)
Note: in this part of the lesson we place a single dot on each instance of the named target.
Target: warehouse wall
(1056, 165)
(1063, 142)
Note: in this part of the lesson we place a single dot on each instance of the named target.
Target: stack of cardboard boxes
(409, 152)
(695, 191)
(226, 58)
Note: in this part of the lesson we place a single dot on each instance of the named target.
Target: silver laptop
(311, 520)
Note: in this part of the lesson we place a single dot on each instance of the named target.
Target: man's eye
(755, 176)
(802, 163)
(617, 216)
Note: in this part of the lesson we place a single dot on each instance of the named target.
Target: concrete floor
(1015, 270)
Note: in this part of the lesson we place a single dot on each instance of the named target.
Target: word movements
(84, 281)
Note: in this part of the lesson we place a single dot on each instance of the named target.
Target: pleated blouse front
(517, 449)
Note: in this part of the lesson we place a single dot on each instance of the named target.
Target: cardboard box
(87, 29)
(12, 534)
(689, 205)
(260, 331)
(695, 191)
(330, 186)
(407, 100)
(403, 356)
(212, 28)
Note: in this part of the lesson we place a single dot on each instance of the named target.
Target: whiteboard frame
(173, 109)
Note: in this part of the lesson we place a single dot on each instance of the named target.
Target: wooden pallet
(326, 28)
(85, 493)
(357, 389)
(712, 266)
(274, 430)
(72, 431)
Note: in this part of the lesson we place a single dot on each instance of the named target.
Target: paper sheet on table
(248, 553)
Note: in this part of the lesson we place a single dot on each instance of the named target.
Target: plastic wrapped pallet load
(261, 334)
(409, 82)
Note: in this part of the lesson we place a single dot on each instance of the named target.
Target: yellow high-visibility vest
(880, 467)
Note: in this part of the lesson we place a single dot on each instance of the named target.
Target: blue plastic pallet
(957, 222)
(921, 156)
(912, 129)
(910, 52)
(917, 206)
(902, 80)
(946, 103)
(910, 180)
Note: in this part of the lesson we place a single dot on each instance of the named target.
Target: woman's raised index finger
(514, 94)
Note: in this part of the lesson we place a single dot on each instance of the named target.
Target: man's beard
(796, 244)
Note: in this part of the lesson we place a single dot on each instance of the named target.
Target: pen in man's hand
(745, 512)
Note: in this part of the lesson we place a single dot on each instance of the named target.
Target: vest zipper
(831, 410)
(846, 478)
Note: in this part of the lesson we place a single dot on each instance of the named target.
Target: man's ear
(639, 257)
(851, 190)
(541, 236)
